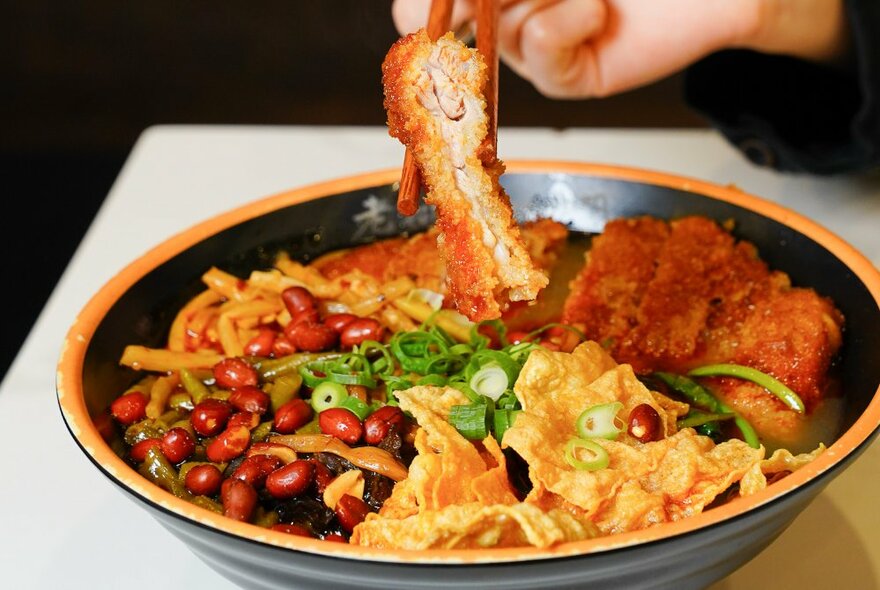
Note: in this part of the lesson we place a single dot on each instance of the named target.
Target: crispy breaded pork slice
(435, 105)
(418, 257)
(672, 296)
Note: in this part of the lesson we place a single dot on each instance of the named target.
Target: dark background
(80, 80)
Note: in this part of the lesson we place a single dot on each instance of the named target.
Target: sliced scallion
(491, 381)
(356, 407)
(470, 420)
(600, 421)
(328, 394)
(585, 455)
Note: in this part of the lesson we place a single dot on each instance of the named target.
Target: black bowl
(138, 305)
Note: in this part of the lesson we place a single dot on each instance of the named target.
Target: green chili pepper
(575, 449)
(700, 396)
(284, 389)
(771, 384)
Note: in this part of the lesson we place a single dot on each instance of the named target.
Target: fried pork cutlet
(674, 296)
(418, 257)
(435, 105)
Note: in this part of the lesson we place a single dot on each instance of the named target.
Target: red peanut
(229, 444)
(262, 343)
(138, 450)
(239, 499)
(377, 424)
(356, 331)
(644, 423)
(256, 469)
(298, 299)
(129, 408)
(234, 372)
(351, 511)
(323, 475)
(209, 416)
(177, 444)
(338, 321)
(203, 480)
(292, 415)
(342, 424)
(249, 399)
(291, 480)
(283, 346)
(247, 419)
(311, 336)
(283, 452)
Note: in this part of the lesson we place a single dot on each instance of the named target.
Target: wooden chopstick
(439, 21)
(487, 45)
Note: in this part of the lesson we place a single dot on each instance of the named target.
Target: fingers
(548, 43)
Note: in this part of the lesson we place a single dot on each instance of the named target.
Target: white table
(64, 525)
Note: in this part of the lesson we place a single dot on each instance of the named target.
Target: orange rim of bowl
(75, 413)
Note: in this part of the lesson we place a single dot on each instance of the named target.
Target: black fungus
(308, 512)
(377, 489)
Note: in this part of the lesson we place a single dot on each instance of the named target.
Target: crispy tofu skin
(435, 106)
(673, 296)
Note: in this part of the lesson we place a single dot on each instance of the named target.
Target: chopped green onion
(504, 419)
(771, 384)
(356, 407)
(436, 380)
(601, 421)
(470, 420)
(490, 381)
(596, 456)
(328, 394)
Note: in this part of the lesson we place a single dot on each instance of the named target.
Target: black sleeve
(794, 115)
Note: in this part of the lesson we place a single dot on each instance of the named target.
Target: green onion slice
(491, 381)
(601, 421)
(328, 394)
(471, 420)
(356, 407)
(771, 384)
(504, 419)
(585, 455)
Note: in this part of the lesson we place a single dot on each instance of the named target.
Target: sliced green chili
(575, 449)
(771, 384)
(600, 421)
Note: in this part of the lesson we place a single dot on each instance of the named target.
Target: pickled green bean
(771, 384)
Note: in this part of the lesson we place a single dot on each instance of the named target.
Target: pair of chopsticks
(439, 21)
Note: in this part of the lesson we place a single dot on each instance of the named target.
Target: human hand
(594, 48)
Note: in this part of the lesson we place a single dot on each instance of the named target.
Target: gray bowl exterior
(692, 560)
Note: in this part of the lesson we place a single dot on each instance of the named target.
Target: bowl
(138, 305)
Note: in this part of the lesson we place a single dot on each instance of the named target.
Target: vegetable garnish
(771, 384)
(700, 396)
(328, 394)
(694, 419)
(472, 420)
(600, 421)
(585, 454)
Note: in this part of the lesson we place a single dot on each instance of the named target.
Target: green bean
(700, 396)
(261, 432)
(270, 369)
(157, 469)
(771, 384)
(194, 386)
(284, 389)
(207, 503)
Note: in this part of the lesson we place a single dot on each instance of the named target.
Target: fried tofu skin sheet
(644, 484)
(457, 494)
(674, 295)
(435, 106)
